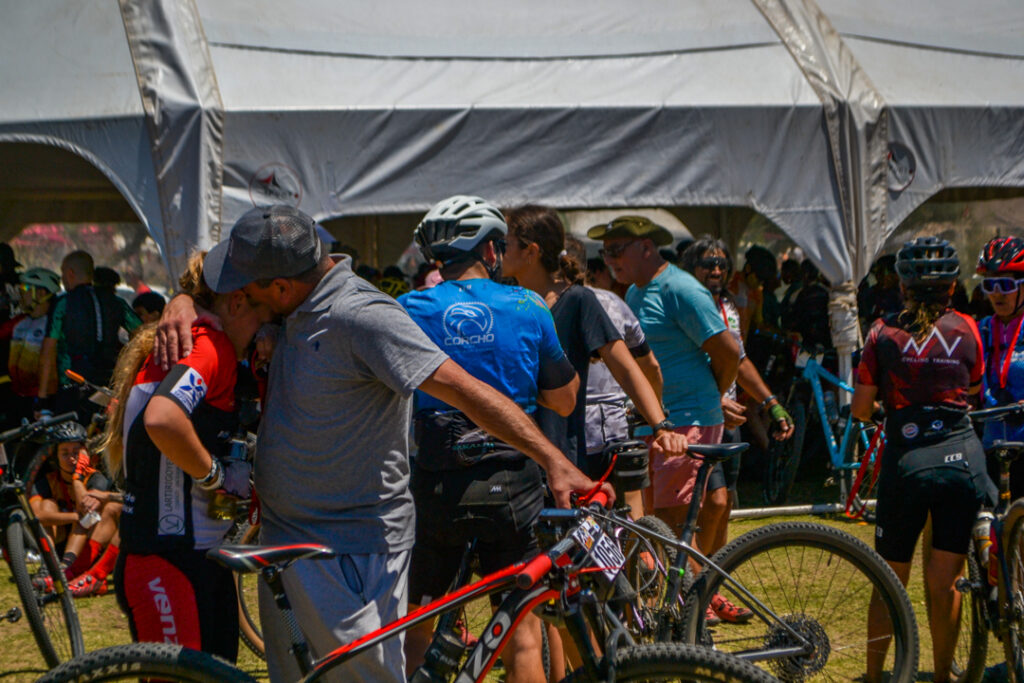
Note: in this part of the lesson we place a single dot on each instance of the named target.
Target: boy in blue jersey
(466, 483)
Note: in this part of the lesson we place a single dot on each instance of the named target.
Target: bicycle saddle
(245, 559)
(1005, 450)
(716, 452)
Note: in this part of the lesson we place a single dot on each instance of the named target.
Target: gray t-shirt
(606, 416)
(332, 462)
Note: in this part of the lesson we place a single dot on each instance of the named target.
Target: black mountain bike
(30, 552)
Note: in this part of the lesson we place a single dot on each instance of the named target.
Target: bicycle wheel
(249, 629)
(1013, 602)
(818, 581)
(143, 661)
(972, 641)
(783, 458)
(677, 662)
(51, 615)
(647, 563)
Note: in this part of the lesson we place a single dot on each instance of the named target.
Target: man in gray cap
(332, 462)
(699, 357)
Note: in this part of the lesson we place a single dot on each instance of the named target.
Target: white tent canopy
(833, 120)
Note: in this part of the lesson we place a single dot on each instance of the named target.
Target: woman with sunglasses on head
(537, 259)
(924, 364)
(1001, 264)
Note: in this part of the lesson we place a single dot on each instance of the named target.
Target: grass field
(103, 623)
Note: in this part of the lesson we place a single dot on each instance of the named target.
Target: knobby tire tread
(15, 534)
(677, 661)
(147, 660)
(1014, 602)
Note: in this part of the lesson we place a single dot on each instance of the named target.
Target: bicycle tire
(793, 568)
(1013, 602)
(783, 458)
(676, 662)
(144, 661)
(250, 630)
(52, 616)
(972, 643)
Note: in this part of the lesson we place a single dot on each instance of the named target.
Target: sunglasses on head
(1000, 285)
(615, 250)
(712, 262)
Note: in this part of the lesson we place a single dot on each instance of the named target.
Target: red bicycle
(576, 577)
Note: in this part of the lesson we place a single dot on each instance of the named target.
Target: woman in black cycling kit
(925, 365)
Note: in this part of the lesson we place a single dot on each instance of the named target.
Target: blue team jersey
(1000, 389)
(499, 334)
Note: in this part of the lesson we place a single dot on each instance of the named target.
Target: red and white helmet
(1002, 255)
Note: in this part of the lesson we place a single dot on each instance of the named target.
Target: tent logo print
(275, 183)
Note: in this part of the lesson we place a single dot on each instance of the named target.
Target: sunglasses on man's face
(1000, 285)
(615, 250)
(712, 262)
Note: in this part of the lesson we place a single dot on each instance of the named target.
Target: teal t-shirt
(678, 315)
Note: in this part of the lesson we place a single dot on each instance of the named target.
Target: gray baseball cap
(276, 241)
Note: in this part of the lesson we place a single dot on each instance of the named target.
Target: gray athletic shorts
(337, 601)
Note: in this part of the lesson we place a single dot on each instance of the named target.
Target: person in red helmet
(1001, 263)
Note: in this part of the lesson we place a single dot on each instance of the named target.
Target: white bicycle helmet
(455, 226)
(42, 278)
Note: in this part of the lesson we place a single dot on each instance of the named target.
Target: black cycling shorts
(946, 479)
(497, 503)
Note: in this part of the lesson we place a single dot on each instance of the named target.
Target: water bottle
(982, 534)
(831, 410)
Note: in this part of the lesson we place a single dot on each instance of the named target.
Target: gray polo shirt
(332, 462)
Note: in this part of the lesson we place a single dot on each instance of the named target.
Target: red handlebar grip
(534, 569)
(599, 497)
(74, 376)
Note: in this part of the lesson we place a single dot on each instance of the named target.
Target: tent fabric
(184, 116)
(345, 109)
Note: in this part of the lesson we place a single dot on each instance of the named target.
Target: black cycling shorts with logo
(946, 479)
(495, 502)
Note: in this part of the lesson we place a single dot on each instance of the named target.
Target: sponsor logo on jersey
(189, 390)
(165, 609)
(937, 425)
(953, 457)
(935, 334)
(910, 430)
(468, 323)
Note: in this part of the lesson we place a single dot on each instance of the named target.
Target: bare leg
(713, 519)
(880, 628)
(941, 573)
(417, 640)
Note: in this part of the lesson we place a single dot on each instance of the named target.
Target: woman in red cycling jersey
(167, 440)
(924, 364)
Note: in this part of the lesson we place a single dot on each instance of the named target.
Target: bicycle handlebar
(78, 379)
(542, 564)
(26, 429)
(992, 414)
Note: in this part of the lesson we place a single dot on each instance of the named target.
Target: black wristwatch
(664, 424)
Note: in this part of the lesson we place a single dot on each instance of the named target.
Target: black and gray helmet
(456, 226)
(927, 261)
(67, 431)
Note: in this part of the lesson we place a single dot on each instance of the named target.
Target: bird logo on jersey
(468, 323)
(189, 389)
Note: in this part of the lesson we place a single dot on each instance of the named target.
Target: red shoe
(729, 612)
(710, 618)
(87, 586)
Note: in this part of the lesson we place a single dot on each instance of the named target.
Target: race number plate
(605, 553)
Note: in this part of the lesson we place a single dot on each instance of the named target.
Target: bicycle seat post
(675, 574)
(299, 646)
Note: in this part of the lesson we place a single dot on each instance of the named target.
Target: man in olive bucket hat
(699, 357)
